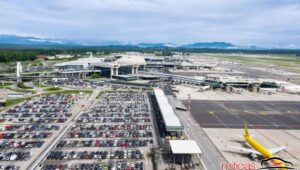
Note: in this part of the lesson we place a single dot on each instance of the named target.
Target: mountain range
(11, 40)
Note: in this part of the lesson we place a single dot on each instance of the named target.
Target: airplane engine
(253, 156)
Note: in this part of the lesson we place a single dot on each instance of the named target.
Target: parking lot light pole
(188, 115)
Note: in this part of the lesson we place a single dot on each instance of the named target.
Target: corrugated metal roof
(170, 119)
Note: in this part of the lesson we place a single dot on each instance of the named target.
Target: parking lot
(259, 114)
(27, 128)
(82, 84)
(116, 134)
(70, 82)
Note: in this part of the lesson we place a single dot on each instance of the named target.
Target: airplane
(259, 150)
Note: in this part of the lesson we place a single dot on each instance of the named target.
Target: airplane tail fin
(246, 130)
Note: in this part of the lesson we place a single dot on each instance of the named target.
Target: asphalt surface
(258, 114)
(248, 72)
(211, 157)
(265, 74)
(203, 74)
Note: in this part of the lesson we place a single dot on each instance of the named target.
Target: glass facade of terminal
(122, 70)
(71, 67)
(141, 68)
(125, 70)
(105, 72)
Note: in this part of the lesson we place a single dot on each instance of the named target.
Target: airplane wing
(246, 150)
(275, 150)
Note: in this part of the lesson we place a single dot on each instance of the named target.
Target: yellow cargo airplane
(259, 150)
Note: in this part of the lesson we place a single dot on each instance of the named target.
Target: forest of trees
(17, 55)
(11, 55)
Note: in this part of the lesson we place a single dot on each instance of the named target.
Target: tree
(96, 75)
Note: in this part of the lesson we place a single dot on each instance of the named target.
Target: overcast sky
(242, 22)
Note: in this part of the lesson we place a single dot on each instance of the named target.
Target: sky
(266, 23)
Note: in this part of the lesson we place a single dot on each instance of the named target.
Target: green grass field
(39, 84)
(20, 90)
(100, 94)
(5, 84)
(52, 89)
(288, 62)
(12, 102)
(68, 92)
(23, 86)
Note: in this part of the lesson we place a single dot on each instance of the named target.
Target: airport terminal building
(123, 66)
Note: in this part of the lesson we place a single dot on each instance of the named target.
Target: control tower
(19, 71)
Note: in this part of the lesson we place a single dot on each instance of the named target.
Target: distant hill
(221, 45)
(19, 40)
(15, 41)
(156, 45)
(31, 41)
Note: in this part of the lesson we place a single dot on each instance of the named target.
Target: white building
(78, 65)
(63, 56)
(50, 57)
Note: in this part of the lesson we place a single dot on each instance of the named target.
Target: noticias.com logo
(276, 163)
(238, 166)
(265, 164)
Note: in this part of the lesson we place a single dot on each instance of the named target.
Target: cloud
(245, 22)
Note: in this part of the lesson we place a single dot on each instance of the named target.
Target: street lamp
(188, 115)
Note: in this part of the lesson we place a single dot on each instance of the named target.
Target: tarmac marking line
(263, 113)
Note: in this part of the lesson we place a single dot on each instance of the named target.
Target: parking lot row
(105, 143)
(110, 134)
(73, 82)
(106, 113)
(20, 144)
(81, 127)
(9, 167)
(25, 135)
(34, 127)
(89, 119)
(118, 165)
(14, 156)
(116, 154)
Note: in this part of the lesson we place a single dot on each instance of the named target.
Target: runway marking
(230, 124)
(263, 113)
(217, 118)
(228, 110)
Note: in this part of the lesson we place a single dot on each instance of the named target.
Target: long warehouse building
(170, 119)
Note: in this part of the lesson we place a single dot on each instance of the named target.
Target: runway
(258, 114)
